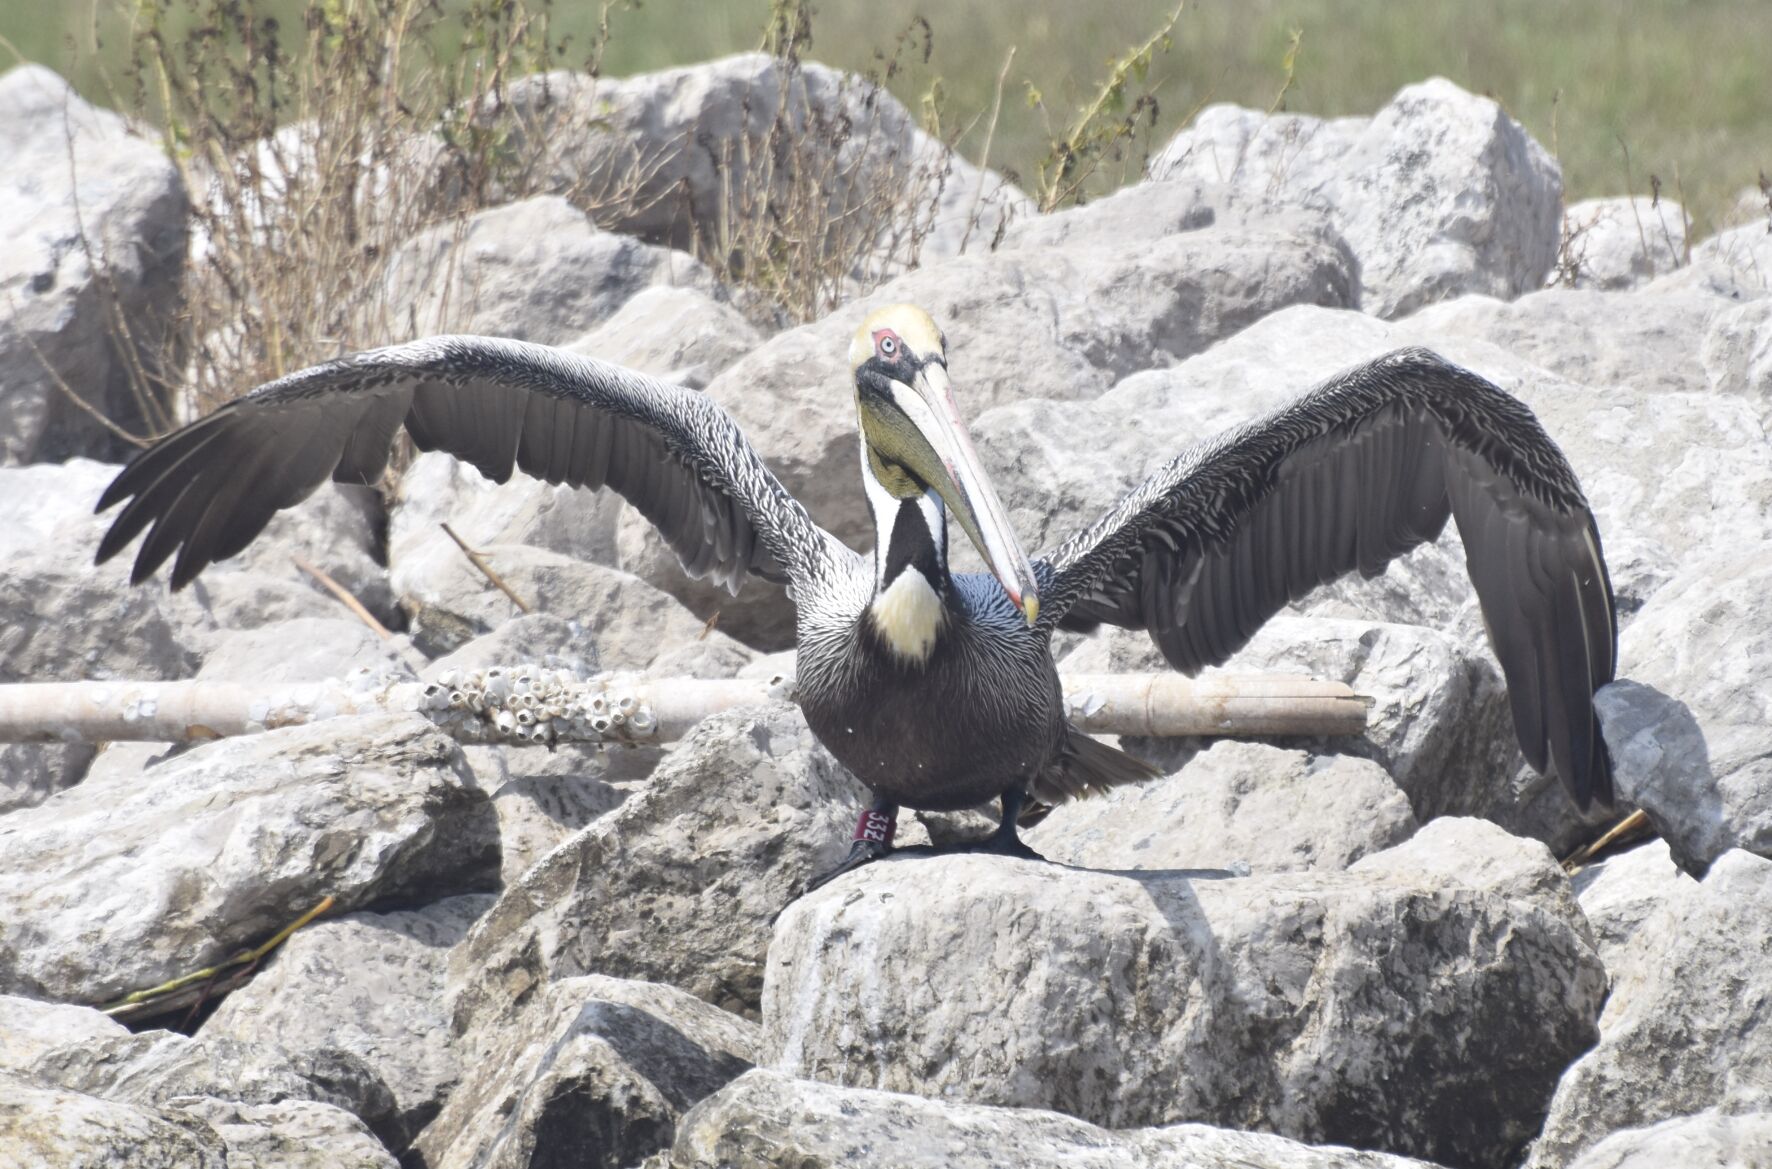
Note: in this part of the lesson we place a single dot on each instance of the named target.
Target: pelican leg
(1005, 841)
(872, 840)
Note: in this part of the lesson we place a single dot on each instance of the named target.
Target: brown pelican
(938, 690)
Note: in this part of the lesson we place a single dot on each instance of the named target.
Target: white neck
(907, 610)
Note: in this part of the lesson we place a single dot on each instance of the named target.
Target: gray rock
(1686, 1026)
(661, 153)
(539, 638)
(308, 649)
(80, 1050)
(334, 529)
(632, 624)
(1422, 1002)
(1648, 341)
(1149, 211)
(370, 984)
(1706, 1140)
(1746, 251)
(590, 1071)
(290, 1134)
(116, 886)
(1439, 194)
(95, 231)
(681, 882)
(1621, 242)
(1697, 756)
(543, 798)
(439, 489)
(1232, 805)
(679, 334)
(54, 1127)
(1620, 892)
(535, 270)
(1737, 354)
(764, 1119)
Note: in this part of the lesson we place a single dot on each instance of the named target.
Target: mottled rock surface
(1439, 194)
(535, 270)
(1424, 1002)
(675, 141)
(118, 886)
(1706, 1140)
(1622, 242)
(1235, 805)
(682, 882)
(95, 221)
(1694, 728)
(590, 1071)
(1687, 1025)
(370, 984)
(764, 1119)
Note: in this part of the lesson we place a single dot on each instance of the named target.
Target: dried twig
(344, 596)
(479, 562)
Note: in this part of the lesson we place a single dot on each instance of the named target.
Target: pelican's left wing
(210, 488)
(1361, 469)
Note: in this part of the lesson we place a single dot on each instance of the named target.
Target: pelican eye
(887, 344)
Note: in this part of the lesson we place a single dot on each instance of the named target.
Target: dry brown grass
(311, 156)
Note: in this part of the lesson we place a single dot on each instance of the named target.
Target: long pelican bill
(925, 436)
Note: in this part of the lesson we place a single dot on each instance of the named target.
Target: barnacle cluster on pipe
(535, 704)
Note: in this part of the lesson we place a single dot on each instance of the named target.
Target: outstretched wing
(1361, 469)
(207, 490)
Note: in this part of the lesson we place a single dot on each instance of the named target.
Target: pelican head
(916, 444)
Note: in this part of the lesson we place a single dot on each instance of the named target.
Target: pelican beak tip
(1030, 605)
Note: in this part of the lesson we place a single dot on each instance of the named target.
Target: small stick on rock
(344, 597)
(479, 562)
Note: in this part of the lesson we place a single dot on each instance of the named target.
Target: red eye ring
(887, 344)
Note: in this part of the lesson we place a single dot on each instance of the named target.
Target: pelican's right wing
(1356, 472)
(210, 488)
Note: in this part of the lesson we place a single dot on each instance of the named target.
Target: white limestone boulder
(1694, 734)
(589, 1071)
(1244, 806)
(1439, 194)
(370, 984)
(1622, 242)
(764, 1119)
(680, 884)
(1737, 354)
(95, 236)
(1686, 1027)
(121, 884)
(1423, 1002)
(1711, 1137)
(677, 333)
(663, 155)
(534, 270)
(1619, 893)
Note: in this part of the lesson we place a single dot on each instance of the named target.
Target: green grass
(1686, 85)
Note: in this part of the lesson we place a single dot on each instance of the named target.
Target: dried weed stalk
(312, 154)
